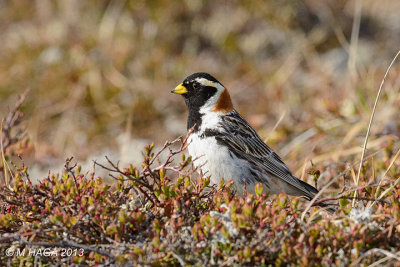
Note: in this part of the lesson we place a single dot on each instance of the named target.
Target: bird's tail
(326, 205)
(309, 187)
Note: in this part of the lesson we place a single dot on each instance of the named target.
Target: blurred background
(305, 74)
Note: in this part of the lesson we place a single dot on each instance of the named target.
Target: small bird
(225, 146)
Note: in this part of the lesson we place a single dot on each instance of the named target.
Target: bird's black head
(203, 93)
(198, 88)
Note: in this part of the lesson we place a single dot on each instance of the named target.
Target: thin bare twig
(146, 185)
(12, 120)
(344, 197)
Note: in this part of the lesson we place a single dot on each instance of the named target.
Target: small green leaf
(258, 189)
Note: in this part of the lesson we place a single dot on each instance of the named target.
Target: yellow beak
(180, 90)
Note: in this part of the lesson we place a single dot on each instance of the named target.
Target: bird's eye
(196, 85)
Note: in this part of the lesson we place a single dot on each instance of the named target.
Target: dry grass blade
(3, 158)
(384, 175)
(386, 191)
(275, 126)
(389, 255)
(370, 124)
(354, 40)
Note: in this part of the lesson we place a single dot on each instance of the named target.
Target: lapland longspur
(226, 146)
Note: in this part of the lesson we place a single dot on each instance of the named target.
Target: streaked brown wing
(245, 143)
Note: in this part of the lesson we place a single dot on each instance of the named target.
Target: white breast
(216, 161)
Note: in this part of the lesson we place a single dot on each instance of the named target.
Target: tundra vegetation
(307, 75)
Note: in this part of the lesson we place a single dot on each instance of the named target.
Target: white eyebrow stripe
(206, 82)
